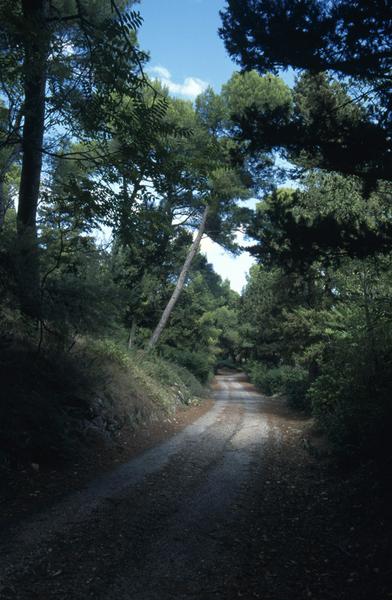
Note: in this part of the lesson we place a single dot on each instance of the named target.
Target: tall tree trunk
(180, 282)
(369, 325)
(4, 201)
(132, 333)
(128, 201)
(7, 164)
(36, 47)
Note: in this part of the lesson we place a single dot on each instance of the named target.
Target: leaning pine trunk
(36, 47)
(180, 283)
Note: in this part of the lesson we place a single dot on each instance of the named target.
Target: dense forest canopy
(318, 303)
(163, 433)
(89, 142)
(342, 50)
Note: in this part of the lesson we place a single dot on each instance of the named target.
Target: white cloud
(160, 72)
(190, 88)
(233, 268)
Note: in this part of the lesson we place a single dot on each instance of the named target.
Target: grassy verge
(54, 404)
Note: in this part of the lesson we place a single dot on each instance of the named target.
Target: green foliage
(258, 375)
(108, 349)
(351, 402)
(292, 382)
(351, 395)
(66, 402)
(160, 384)
(320, 298)
(211, 110)
(328, 217)
(228, 363)
(269, 300)
(198, 362)
(330, 127)
(342, 36)
(173, 376)
(314, 320)
(204, 323)
(294, 385)
(120, 157)
(317, 124)
(246, 91)
(331, 320)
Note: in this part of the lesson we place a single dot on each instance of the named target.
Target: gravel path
(218, 511)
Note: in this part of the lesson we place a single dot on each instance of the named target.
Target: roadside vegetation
(68, 403)
(109, 313)
(316, 311)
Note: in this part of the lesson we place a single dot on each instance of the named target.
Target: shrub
(354, 409)
(295, 385)
(227, 363)
(293, 382)
(258, 375)
(200, 363)
(66, 400)
(170, 374)
(107, 349)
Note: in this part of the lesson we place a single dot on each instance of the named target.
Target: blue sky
(187, 54)
(181, 36)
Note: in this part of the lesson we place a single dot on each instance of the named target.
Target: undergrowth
(292, 382)
(54, 403)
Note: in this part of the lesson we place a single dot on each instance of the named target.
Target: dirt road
(227, 508)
